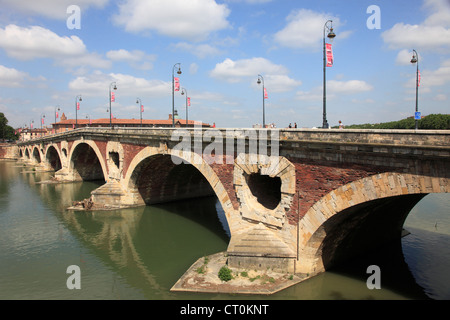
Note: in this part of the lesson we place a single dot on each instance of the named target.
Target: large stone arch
(188, 158)
(353, 208)
(36, 156)
(97, 152)
(26, 153)
(51, 151)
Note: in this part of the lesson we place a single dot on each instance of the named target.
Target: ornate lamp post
(110, 111)
(56, 114)
(261, 80)
(173, 91)
(331, 35)
(77, 106)
(42, 122)
(138, 100)
(183, 92)
(415, 59)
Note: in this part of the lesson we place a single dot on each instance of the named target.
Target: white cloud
(193, 68)
(37, 42)
(432, 34)
(201, 51)
(404, 57)
(53, 9)
(440, 97)
(280, 83)
(348, 87)
(438, 77)
(137, 59)
(305, 29)
(192, 20)
(335, 88)
(97, 83)
(10, 77)
(235, 71)
(275, 76)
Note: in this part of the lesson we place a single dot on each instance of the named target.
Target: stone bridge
(296, 201)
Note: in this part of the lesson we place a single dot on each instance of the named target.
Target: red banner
(329, 53)
(189, 102)
(78, 106)
(113, 97)
(57, 115)
(266, 96)
(142, 108)
(418, 82)
(42, 120)
(177, 84)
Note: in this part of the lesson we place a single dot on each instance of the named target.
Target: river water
(140, 253)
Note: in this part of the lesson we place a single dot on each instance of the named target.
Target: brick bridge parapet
(286, 193)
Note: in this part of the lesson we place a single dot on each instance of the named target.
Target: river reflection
(140, 253)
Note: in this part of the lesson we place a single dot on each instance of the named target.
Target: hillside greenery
(430, 122)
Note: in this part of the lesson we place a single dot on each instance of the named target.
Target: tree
(6, 132)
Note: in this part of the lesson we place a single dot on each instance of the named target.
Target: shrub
(225, 274)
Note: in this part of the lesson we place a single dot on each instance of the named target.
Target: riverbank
(203, 277)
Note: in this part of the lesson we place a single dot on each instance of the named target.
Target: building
(28, 134)
(70, 124)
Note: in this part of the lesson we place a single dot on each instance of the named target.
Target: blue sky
(222, 46)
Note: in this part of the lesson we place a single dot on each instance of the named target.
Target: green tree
(6, 132)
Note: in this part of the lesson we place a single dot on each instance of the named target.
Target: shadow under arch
(360, 216)
(36, 155)
(164, 177)
(86, 161)
(53, 157)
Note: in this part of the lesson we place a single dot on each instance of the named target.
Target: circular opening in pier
(265, 189)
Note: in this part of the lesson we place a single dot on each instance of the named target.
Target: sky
(51, 51)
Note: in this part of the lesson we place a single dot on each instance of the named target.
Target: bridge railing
(434, 138)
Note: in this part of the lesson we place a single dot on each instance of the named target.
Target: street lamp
(415, 59)
(173, 91)
(110, 111)
(261, 80)
(184, 91)
(56, 111)
(140, 107)
(42, 122)
(331, 35)
(77, 106)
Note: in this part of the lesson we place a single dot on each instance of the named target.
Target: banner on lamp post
(177, 83)
(329, 54)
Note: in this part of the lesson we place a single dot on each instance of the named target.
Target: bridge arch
(193, 177)
(53, 157)
(361, 214)
(86, 161)
(36, 155)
